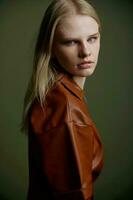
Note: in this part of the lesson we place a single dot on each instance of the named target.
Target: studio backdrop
(108, 91)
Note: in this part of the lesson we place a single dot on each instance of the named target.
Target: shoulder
(63, 103)
(57, 96)
(53, 112)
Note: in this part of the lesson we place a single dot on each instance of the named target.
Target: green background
(109, 94)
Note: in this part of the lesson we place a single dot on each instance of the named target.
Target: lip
(85, 65)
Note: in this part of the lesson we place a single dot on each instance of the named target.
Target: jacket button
(84, 185)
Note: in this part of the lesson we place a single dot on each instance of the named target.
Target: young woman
(65, 151)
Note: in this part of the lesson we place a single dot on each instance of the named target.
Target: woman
(65, 151)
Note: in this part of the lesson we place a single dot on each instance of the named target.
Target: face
(76, 45)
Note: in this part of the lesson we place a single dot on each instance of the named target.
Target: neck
(80, 81)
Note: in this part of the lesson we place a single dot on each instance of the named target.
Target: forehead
(77, 25)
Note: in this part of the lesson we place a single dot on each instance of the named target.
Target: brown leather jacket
(65, 152)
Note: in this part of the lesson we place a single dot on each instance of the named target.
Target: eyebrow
(94, 34)
(72, 38)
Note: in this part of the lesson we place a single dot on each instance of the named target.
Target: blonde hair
(44, 73)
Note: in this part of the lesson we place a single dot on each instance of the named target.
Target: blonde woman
(65, 151)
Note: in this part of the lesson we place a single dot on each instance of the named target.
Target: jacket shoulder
(54, 111)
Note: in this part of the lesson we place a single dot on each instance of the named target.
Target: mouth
(85, 65)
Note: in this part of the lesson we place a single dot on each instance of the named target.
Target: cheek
(98, 46)
(96, 50)
(64, 56)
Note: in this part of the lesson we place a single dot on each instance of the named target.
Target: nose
(84, 50)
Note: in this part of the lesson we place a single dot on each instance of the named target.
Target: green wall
(109, 94)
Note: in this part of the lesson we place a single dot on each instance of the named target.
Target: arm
(66, 158)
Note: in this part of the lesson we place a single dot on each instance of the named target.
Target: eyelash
(93, 39)
(72, 42)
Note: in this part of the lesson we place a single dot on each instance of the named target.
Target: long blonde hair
(44, 73)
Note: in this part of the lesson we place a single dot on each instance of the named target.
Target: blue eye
(92, 39)
(70, 42)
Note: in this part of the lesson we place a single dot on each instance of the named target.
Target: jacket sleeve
(66, 158)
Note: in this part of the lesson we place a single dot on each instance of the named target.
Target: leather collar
(67, 81)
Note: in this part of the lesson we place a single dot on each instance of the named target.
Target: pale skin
(76, 46)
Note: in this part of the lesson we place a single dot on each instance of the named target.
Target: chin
(86, 73)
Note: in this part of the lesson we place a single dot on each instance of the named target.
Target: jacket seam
(68, 110)
(68, 122)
